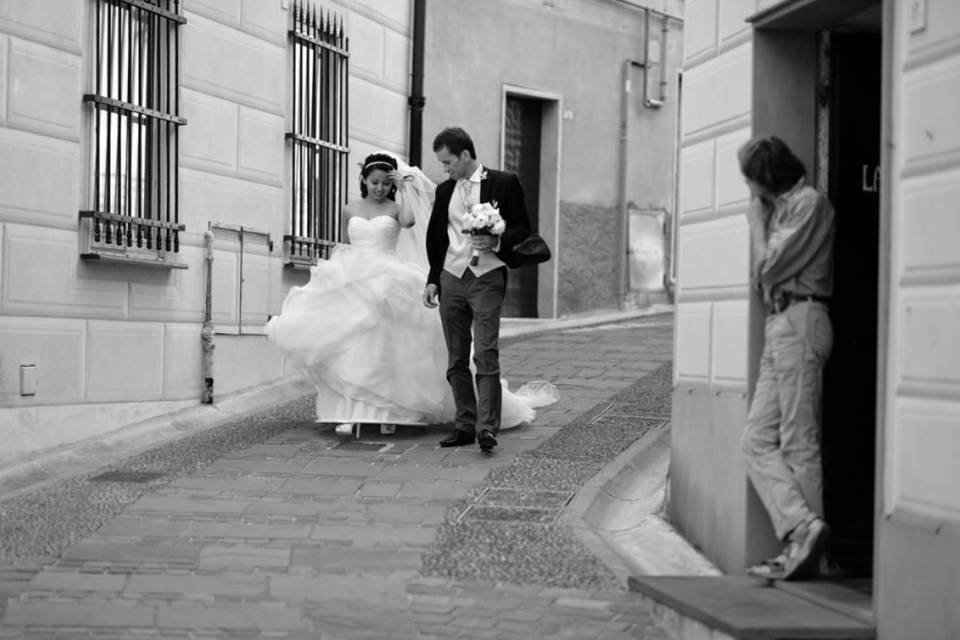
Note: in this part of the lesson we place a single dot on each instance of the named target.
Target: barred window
(319, 136)
(135, 121)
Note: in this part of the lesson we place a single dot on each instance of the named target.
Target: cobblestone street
(295, 532)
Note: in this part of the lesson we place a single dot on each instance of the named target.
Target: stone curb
(617, 515)
(513, 329)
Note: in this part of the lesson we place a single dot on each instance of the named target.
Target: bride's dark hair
(381, 161)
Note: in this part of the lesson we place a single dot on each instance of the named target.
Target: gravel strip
(43, 523)
(518, 552)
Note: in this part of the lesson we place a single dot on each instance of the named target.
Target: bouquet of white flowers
(483, 219)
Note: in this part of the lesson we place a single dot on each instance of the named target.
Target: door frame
(779, 51)
(548, 215)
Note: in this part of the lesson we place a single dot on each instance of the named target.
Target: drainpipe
(664, 34)
(416, 99)
(656, 103)
(206, 332)
(670, 277)
(623, 282)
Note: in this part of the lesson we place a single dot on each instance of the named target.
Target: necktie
(464, 188)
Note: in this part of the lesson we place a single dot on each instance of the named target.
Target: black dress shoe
(486, 440)
(458, 439)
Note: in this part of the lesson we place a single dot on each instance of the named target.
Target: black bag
(533, 250)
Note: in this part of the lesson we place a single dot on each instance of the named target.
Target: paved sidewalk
(303, 534)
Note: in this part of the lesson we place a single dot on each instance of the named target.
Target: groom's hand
(484, 243)
(430, 296)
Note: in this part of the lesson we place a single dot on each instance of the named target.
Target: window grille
(135, 122)
(319, 136)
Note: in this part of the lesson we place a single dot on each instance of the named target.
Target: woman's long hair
(382, 161)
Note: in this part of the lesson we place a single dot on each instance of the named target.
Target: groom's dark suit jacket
(501, 186)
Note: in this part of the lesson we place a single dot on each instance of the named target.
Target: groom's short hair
(455, 140)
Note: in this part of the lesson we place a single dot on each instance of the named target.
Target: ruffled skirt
(361, 332)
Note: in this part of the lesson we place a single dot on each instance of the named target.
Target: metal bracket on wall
(241, 232)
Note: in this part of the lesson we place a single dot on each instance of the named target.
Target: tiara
(377, 163)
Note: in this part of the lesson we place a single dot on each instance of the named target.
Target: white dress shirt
(460, 250)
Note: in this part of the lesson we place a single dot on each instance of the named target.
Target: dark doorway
(521, 155)
(849, 418)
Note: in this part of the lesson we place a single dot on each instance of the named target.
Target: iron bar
(167, 94)
(128, 205)
(345, 83)
(293, 123)
(116, 217)
(157, 131)
(140, 94)
(107, 186)
(312, 130)
(155, 10)
(176, 130)
(122, 107)
(96, 126)
(149, 139)
(307, 38)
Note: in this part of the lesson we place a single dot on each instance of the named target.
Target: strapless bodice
(378, 233)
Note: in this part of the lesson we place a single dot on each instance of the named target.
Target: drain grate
(491, 513)
(618, 412)
(128, 476)
(517, 505)
(525, 498)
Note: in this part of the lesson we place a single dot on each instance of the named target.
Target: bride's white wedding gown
(375, 352)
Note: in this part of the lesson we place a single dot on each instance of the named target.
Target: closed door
(524, 121)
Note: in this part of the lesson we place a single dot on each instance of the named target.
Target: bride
(359, 327)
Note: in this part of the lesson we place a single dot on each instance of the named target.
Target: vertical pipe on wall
(623, 264)
(417, 100)
(664, 34)
(207, 330)
(670, 279)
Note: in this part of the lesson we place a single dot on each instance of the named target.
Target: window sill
(138, 260)
(299, 264)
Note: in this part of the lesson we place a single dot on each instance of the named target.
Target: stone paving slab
(287, 532)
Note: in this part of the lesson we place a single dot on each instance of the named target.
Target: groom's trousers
(465, 303)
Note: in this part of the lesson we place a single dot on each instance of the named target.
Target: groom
(471, 296)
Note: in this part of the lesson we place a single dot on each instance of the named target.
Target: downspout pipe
(670, 277)
(664, 35)
(656, 103)
(416, 99)
(207, 330)
(623, 282)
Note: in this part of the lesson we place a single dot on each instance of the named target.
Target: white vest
(459, 252)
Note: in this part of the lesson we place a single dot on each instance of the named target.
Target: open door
(849, 418)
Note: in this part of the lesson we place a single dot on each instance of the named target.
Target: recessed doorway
(523, 125)
(530, 147)
(850, 377)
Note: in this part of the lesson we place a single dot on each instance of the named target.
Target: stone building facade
(87, 346)
(866, 92)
